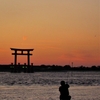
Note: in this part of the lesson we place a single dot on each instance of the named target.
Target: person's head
(62, 82)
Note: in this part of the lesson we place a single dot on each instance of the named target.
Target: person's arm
(67, 85)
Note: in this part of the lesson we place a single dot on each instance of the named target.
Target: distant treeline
(43, 68)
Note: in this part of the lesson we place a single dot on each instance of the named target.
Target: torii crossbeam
(21, 52)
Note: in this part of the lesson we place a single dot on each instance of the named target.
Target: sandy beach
(37, 92)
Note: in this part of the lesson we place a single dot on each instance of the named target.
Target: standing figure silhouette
(64, 92)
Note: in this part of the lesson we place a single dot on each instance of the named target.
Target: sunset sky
(59, 31)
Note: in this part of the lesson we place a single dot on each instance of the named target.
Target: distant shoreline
(47, 68)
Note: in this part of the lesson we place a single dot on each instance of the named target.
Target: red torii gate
(21, 52)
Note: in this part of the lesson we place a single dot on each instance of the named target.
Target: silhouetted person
(64, 92)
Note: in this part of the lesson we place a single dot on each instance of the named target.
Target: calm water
(44, 85)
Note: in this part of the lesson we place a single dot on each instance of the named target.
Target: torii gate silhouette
(21, 52)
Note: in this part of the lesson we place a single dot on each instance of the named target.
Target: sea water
(45, 85)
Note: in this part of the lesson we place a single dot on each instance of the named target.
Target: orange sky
(60, 31)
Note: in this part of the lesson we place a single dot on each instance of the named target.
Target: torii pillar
(21, 52)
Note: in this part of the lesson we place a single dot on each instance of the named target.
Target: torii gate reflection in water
(21, 52)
